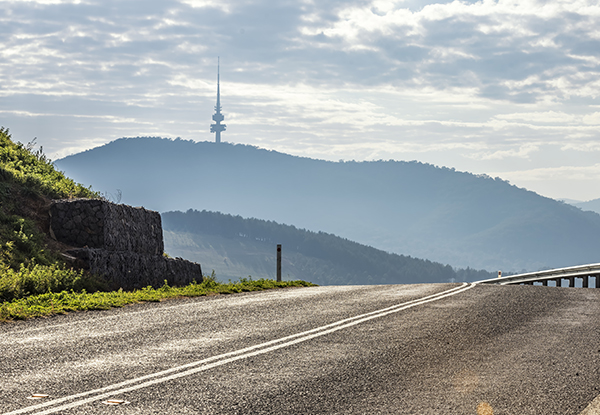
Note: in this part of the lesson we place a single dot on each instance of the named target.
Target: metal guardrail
(558, 275)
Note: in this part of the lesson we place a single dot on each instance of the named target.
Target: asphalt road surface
(395, 349)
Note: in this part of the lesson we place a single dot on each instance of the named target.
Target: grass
(53, 303)
(35, 172)
(35, 279)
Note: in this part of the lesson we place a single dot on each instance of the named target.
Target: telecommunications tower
(217, 116)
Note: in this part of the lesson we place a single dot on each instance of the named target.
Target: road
(395, 349)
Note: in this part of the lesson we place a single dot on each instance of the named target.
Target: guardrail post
(597, 281)
(558, 282)
(571, 282)
(545, 283)
(585, 282)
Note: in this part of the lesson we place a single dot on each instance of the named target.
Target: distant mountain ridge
(590, 205)
(407, 208)
(236, 247)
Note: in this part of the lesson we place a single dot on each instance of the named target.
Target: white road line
(212, 362)
(120, 315)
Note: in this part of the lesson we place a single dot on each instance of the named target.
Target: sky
(510, 89)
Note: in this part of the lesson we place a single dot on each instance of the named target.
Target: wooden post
(279, 263)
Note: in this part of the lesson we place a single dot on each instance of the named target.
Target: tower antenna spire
(217, 116)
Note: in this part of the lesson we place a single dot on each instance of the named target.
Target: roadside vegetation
(30, 263)
(35, 281)
(52, 303)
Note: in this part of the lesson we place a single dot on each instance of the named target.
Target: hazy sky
(506, 88)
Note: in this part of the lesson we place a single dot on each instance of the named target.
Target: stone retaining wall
(120, 242)
(100, 224)
(130, 270)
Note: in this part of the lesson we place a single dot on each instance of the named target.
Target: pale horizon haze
(510, 89)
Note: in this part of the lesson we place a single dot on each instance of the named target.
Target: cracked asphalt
(488, 349)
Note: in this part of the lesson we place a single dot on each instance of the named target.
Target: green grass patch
(34, 172)
(36, 279)
(22, 243)
(52, 303)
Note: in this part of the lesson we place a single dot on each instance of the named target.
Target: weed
(70, 300)
(35, 279)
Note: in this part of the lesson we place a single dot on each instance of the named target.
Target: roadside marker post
(278, 262)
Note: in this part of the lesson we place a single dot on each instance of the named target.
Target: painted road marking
(128, 313)
(110, 391)
(593, 408)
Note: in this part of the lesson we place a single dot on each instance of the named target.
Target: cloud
(523, 151)
(223, 6)
(592, 119)
(563, 173)
(45, 2)
(506, 51)
(498, 45)
(540, 117)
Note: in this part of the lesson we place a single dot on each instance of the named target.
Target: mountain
(408, 208)
(235, 247)
(590, 205)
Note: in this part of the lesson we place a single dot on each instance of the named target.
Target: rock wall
(100, 224)
(120, 242)
(130, 270)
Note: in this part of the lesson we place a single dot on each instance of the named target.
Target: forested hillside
(234, 247)
(408, 208)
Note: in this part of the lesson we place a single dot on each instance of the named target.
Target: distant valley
(407, 208)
